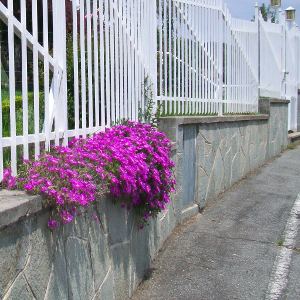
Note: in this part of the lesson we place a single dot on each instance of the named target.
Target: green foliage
(265, 11)
(280, 242)
(19, 114)
(292, 146)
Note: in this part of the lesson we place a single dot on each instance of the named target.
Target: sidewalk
(231, 250)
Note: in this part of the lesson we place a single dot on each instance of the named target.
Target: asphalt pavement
(244, 245)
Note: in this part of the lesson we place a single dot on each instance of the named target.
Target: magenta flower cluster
(131, 160)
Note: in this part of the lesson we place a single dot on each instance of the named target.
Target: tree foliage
(265, 11)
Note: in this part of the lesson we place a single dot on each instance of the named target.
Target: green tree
(265, 11)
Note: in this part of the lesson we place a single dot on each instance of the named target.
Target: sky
(245, 9)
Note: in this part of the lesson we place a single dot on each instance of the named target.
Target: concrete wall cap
(215, 119)
(276, 100)
(16, 204)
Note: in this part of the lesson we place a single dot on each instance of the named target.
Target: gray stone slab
(189, 165)
(58, 287)
(42, 250)
(79, 268)
(14, 253)
(121, 270)
(20, 290)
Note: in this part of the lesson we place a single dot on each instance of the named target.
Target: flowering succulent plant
(131, 161)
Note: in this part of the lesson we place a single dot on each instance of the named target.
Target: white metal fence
(87, 64)
(280, 63)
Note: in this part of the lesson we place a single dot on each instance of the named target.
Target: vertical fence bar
(89, 63)
(107, 64)
(160, 21)
(112, 58)
(102, 62)
(75, 63)
(121, 32)
(175, 39)
(46, 76)
(24, 80)
(179, 38)
(96, 62)
(117, 46)
(12, 88)
(35, 78)
(83, 78)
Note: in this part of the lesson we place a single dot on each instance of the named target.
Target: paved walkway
(234, 250)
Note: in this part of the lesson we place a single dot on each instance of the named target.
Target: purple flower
(28, 186)
(52, 224)
(66, 217)
(95, 218)
(11, 182)
(34, 176)
(146, 215)
(6, 173)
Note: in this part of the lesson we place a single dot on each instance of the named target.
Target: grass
(292, 146)
(190, 109)
(4, 77)
(19, 120)
(280, 242)
(5, 93)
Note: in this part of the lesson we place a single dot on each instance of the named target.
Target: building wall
(107, 259)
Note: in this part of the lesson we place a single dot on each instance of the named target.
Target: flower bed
(130, 161)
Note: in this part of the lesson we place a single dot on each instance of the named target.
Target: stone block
(153, 236)
(116, 220)
(202, 188)
(211, 190)
(218, 172)
(227, 169)
(20, 290)
(235, 168)
(100, 253)
(140, 257)
(190, 212)
(179, 171)
(163, 227)
(106, 290)
(171, 215)
(215, 137)
(121, 269)
(177, 206)
(264, 106)
(58, 285)
(14, 252)
(200, 149)
(79, 268)
(41, 253)
(209, 160)
(179, 140)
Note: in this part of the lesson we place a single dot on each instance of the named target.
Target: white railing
(240, 65)
(280, 63)
(190, 56)
(93, 71)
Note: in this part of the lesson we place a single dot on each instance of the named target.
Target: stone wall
(85, 259)
(215, 152)
(298, 115)
(107, 259)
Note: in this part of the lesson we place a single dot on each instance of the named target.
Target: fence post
(153, 52)
(283, 55)
(258, 41)
(60, 75)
